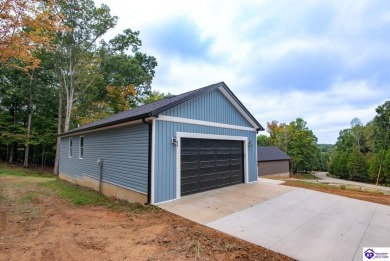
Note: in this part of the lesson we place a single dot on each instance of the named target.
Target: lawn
(49, 219)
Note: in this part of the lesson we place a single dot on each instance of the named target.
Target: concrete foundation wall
(108, 189)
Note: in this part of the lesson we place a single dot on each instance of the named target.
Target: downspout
(149, 161)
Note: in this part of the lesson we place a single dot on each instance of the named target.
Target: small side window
(81, 155)
(70, 147)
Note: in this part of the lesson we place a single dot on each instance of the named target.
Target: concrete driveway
(300, 223)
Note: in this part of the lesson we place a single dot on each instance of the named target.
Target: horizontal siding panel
(124, 151)
(165, 154)
(213, 107)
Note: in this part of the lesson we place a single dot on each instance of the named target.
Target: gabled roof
(155, 108)
(271, 153)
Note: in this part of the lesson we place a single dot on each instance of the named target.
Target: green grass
(29, 196)
(82, 196)
(20, 172)
(47, 184)
(314, 184)
(75, 194)
(304, 176)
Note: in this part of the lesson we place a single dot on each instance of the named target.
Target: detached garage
(272, 161)
(197, 141)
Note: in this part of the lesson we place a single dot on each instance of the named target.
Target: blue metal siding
(213, 106)
(165, 154)
(124, 151)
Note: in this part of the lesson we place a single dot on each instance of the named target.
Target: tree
(22, 98)
(380, 125)
(357, 165)
(26, 27)
(345, 141)
(342, 165)
(279, 134)
(263, 140)
(357, 131)
(302, 146)
(155, 96)
(298, 141)
(86, 24)
(124, 80)
(75, 51)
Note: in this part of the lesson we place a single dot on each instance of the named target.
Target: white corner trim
(203, 123)
(180, 135)
(153, 159)
(238, 107)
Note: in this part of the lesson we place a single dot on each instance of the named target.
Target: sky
(324, 61)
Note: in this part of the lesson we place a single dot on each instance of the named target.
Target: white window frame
(180, 135)
(81, 148)
(70, 147)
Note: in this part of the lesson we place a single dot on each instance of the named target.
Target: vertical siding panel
(213, 106)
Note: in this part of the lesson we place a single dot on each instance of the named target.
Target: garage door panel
(190, 172)
(189, 143)
(207, 177)
(206, 170)
(189, 165)
(189, 158)
(189, 188)
(208, 164)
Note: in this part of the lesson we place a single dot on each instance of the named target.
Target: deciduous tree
(26, 27)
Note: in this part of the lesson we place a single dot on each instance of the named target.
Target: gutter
(149, 161)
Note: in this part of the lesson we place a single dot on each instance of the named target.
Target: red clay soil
(50, 228)
(356, 194)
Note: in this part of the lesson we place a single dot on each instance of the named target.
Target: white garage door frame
(180, 135)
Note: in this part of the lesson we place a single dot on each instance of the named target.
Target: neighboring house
(193, 142)
(272, 161)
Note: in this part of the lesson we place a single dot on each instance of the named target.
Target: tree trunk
(29, 109)
(57, 159)
(11, 154)
(43, 155)
(69, 88)
(14, 144)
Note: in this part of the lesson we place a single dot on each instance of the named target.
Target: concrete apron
(300, 223)
(211, 205)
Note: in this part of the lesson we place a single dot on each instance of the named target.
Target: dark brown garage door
(210, 164)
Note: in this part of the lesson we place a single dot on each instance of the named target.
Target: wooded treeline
(362, 152)
(299, 142)
(56, 72)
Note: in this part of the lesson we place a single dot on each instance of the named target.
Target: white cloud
(251, 40)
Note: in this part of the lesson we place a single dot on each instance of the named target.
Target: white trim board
(106, 128)
(203, 123)
(180, 135)
(237, 106)
(153, 161)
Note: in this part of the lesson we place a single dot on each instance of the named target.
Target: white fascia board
(237, 106)
(108, 127)
(203, 123)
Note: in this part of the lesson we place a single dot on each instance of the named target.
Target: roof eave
(75, 131)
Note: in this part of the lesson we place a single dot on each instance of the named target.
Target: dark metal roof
(271, 153)
(155, 108)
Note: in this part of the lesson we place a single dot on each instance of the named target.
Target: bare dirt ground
(350, 193)
(38, 225)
